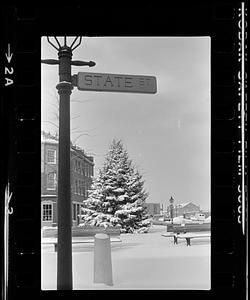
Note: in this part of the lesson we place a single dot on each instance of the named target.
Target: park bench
(189, 227)
(80, 235)
(187, 236)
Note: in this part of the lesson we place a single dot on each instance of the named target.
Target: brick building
(82, 168)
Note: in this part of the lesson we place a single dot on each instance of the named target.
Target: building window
(76, 185)
(51, 156)
(85, 169)
(79, 188)
(80, 183)
(74, 212)
(76, 169)
(51, 181)
(47, 212)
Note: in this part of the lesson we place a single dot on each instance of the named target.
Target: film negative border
(242, 158)
(21, 54)
(242, 115)
(21, 119)
(229, 238)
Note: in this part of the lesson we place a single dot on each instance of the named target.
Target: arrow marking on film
(9, 55)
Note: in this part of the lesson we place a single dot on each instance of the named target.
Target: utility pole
(64, 205)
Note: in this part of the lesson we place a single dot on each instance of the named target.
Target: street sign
(106, 82)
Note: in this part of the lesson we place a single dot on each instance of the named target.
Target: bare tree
(74, 130)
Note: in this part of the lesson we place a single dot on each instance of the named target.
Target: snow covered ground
(140, 261)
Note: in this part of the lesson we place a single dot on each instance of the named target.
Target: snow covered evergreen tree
(117, 195)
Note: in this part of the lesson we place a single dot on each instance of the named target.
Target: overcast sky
(167, 134)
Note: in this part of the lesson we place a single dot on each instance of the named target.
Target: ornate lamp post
(64, 87)
(171, 200)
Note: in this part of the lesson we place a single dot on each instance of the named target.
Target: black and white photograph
(125, 163)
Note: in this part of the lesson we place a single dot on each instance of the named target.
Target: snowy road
(141, 261)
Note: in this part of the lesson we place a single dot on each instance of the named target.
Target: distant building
(185, 209)
(82, 168)
(153, 208)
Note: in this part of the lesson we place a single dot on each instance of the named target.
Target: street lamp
(171, 200)
(64, 87)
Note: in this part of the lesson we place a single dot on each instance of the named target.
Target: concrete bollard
(102, 259)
